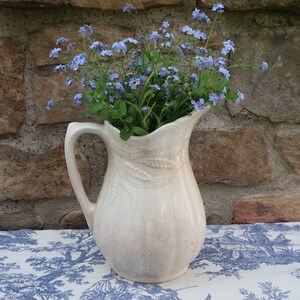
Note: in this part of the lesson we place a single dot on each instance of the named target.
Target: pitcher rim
(179, 120)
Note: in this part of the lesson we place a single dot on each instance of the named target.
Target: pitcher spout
(190, 121)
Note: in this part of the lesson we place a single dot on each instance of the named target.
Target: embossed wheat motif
(159, 163)
(137, 173)
(114, 192)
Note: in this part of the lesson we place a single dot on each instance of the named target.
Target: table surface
(247, 262)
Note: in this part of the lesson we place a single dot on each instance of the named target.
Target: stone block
(233, 157)
(65, 110)
(118, 5)
(276, 93)
(27, 175)
(287, 143)
(112, 5)
(31, 3)
(271, 209)
(12, 92)
(285, 5)
(20, 220)
(19, 215)
(75, 219)
(43, 41)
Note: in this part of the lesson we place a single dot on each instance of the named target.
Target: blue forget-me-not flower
(228, 47)
(61, 40)
(54, 52)
(50, 104)
(78, 60)
(218, 7)
(78, 98)
(200, 16)
(86, 31)
(198, 105)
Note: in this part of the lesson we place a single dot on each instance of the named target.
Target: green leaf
(148, 93)
(224, 82)
(95, 107)
(119, 110)
(173, 103)
(125, 133)
(139, 131)
(128, 119)
(231, 96)
(220, 85)
(154, 57)
(134, 114)
(169, 61)
(128, 95)
(115, 115)
(103, 113)
(145, 62)
(121, 106)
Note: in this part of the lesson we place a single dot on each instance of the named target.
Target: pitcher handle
(75, 130)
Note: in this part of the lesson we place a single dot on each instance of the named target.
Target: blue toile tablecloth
(247, 262)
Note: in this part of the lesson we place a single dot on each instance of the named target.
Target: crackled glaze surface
(149, 220)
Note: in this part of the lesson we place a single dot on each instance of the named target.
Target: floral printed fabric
(237, 262)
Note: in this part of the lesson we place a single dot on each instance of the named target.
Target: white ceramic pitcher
(149, 220)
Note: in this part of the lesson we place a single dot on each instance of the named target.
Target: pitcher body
(149, 220)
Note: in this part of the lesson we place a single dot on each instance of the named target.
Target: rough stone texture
(114, 5)
(18, 215)
(118, 5)
(20, 220)
(31, 3)
(74, 219)
(43, 41)
(53, 87)
(233, 157)
(291, 5)
(26, 175)
(218, 156)
(270, 209)
(12, 93)
(275, 94)
(287, 143)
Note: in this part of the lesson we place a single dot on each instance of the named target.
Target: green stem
(147, 82)
(140, 24)
(137, 109)
(130, 103)
(147, 115)
(210, 32)
(243, 66)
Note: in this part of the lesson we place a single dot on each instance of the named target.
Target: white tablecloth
(237, 262)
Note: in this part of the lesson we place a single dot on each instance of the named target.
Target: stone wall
(246, 160)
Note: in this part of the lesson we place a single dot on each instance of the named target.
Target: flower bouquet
(139, 84)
